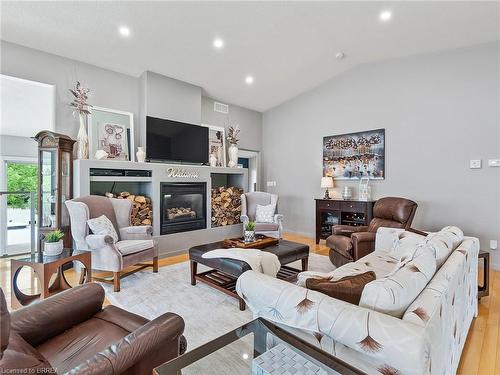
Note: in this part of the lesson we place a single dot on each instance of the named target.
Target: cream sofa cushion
(386, 238)
(406, 245)
(133, 246)
(393, 293)
(444, 242)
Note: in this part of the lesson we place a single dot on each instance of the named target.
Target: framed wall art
(355, 155)
(111, 131)
(217, 144)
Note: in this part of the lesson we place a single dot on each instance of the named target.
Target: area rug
(207, 312)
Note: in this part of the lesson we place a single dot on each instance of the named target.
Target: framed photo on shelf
(112, 131)
(217, 143)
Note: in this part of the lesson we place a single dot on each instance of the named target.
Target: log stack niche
(226, 199)
(137, 192)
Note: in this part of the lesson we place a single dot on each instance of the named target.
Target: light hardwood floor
(481, 355)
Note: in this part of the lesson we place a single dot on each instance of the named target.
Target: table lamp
(326, 183)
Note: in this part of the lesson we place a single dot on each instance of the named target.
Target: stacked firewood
(226, 206)
(142, 209)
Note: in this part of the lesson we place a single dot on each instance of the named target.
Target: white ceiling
(289, 47)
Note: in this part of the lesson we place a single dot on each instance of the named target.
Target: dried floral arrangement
(81, 95)
(232, 134)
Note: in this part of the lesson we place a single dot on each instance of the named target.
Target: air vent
(221, 107)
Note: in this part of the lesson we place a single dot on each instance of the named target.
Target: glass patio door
(17, 224)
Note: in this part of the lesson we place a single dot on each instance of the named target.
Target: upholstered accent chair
(249, 202)
(348, 243)
(135, 244)
(72, 333)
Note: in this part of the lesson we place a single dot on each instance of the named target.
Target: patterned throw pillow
(348, 288)
(265, 214)
(102, 225)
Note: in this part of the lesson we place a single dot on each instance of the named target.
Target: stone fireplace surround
(169, 244)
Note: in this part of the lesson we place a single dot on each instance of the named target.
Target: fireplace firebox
(183, 206)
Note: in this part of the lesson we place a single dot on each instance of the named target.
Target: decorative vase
(100, 155)
(83, 138)
(212, 160)
(141, 154)
(249, 236)
(53, 248)
(233, 155)
(346, 193)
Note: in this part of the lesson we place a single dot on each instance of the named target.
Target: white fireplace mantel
(160, 172)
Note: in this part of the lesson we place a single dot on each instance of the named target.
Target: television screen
(168, 140)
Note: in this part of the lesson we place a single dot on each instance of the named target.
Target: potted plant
(53, 243)
(250, 231)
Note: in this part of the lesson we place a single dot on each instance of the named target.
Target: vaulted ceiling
(288, 47)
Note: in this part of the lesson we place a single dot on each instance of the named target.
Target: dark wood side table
(330, 212)
(484, 289)
(44, 267)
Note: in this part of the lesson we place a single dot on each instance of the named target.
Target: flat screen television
(168, 140)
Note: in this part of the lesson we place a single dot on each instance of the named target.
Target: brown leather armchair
(72, 333)
(348, 243)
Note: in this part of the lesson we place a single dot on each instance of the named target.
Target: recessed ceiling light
(248, 80)
(218, 43)
(340, 55)
(124, 31)
(385, 16)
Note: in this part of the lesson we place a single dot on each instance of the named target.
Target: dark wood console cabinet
(330, 212)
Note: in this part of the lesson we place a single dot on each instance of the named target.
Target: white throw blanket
(260, 261)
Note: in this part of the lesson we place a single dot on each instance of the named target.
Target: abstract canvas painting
(112, 131)
(355, 155)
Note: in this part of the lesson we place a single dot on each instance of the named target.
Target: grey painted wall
(438, 110)
(150, 94)
(168, 98)
(250, 122)
(109, 89)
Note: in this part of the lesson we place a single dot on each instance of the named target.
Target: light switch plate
(475, 164)
(493, 244)
(494, 163)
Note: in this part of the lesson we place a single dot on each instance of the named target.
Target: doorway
(251, 160)
(17, 225)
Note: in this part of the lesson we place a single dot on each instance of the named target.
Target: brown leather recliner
(72, 333)
(348, 243)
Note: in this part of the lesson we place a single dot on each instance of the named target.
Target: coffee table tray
(260, 242)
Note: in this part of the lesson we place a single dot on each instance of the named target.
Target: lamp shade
(326, 182)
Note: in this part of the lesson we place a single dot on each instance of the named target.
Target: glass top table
(253, 348)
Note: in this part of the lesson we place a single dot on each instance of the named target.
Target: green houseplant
(249, 231)
(53, 243)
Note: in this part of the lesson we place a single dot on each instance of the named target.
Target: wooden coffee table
(44, 267)
(224, 271)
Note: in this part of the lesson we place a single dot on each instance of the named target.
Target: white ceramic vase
(233, 155)
(83, 138)
(212, 160)
(140, 154)
(53, 248)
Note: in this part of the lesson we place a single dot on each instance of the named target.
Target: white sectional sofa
(413, 319)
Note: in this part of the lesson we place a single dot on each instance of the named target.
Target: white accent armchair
(249, 202)
(135, 243)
